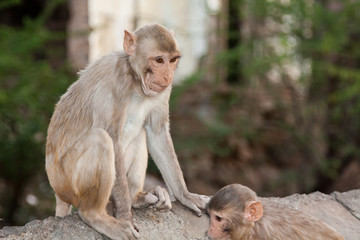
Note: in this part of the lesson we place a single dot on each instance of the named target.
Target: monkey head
(233, 211)
(153, 55)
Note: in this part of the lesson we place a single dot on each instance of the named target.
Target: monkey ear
(253, 211)
(129, 43)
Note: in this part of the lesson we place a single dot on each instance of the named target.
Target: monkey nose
(167, 79)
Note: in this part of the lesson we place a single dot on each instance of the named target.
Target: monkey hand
(126, 230)
(157, 197)
(194, 201)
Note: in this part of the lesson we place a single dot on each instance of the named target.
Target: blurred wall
(187, 18)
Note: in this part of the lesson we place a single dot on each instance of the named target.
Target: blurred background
(267, 93)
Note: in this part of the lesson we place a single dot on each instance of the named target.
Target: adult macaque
(103, 127)
(236, 213)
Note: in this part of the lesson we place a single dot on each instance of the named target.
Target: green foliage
(185, 84)
(9, 3)
(320, 126)
(29, 88)
(325, 33)
(335, 82)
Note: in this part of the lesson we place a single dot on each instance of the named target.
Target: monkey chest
(137, 112)
(134, 123)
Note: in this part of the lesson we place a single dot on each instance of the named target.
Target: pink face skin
(217, 229)
(160, 72)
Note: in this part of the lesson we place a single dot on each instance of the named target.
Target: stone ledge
(339, 210)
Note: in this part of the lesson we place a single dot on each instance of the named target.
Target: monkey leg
(92, 179)
(108, 225)
(136, 158)
(62, 208)
(137, 155)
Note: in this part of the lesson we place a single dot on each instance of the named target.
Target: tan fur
(291, 224)
(237, 222)
(103, 127)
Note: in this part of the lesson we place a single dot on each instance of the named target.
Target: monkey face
(154, 56)
(160, 72)
(219, 227)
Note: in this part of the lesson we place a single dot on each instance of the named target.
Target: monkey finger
(193, 207)
(136, 227)
(159, 192)
(164, 199)
(167, 203)
(203, 201)
(192, 201)
(197, 211)
(200, 201)
(129, 231)
(135, 233)
(144, 200)
(151, 198)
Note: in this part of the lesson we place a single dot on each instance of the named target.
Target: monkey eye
(173, 59)
(159, 60)
(218, 218)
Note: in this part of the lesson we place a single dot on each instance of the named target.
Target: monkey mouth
(157, 87)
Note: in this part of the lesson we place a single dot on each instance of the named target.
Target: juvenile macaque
(236, 213)
(103, 128)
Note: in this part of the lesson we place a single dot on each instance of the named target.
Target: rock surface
(339, 210)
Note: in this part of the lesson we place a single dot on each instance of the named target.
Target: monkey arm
(161, 148)
(120, 192)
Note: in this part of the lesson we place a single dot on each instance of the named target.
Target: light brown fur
(103, 127)
(237, 214)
